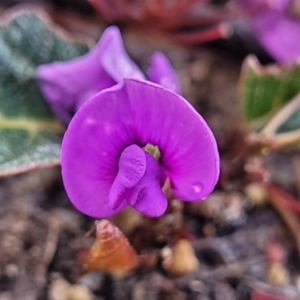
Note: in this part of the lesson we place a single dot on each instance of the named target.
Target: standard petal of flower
(189, 152)
(162, 72)
(147, 196)
(132, 167)
(91, 149)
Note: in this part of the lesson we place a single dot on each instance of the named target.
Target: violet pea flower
(68, 85)
(122, 145)
(276, 24)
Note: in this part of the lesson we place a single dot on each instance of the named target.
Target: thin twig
(278, 200)
(287, 138)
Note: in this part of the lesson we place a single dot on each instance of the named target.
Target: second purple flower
(68, 85)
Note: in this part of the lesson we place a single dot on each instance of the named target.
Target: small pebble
(183, 259)
(59, 290)
(11, 270)
(196, 286)
(166, 252)
(209, 230)
(278, 274)
(79, 292)
(223, 208)
(256, 194)
(92, 280)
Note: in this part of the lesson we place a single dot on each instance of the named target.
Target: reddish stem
(183, 6)
(280, 201)
(286, 198)
(203, 36)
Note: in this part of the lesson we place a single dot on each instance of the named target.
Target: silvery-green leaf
(30, 135)
(264, 90)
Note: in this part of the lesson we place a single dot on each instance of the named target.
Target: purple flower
(67, 85)
(161, 72)
(124, 143)
(276, 25)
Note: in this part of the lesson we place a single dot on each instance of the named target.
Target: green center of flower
(153, 150)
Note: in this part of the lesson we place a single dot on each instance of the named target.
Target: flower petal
(68, 85)
(275, 27)
(116, 61)
(162, 72)
(189, 151)
(147, 196)
(279, 34)
(91, 149)
(137, 112)
(132, 167)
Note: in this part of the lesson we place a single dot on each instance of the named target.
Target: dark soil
(234, 239)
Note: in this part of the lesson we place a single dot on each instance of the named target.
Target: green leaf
(30, 135)
(292, 122)
(265, 89)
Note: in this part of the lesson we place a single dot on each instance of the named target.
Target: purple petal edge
(115, 59)
(162, 72)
